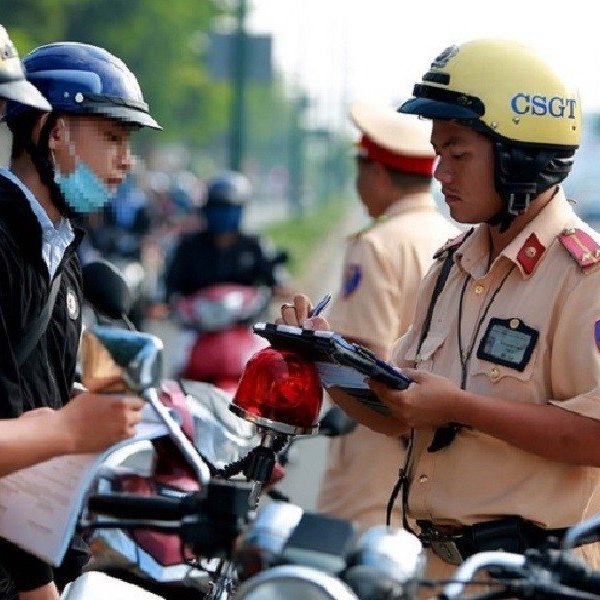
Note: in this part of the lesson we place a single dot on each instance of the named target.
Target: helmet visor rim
(434, 109)
(123, 114)
(20, 90)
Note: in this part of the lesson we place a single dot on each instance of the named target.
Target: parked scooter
(210, 536)
(155, 559)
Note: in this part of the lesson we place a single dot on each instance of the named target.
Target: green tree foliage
(159, 40)
(164, 42)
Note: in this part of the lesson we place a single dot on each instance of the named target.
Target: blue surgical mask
(223, 218)
(82, 189)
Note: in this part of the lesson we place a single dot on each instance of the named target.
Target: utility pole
(238, 105)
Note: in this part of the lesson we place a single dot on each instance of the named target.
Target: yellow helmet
(13, 85)
(506, 88)
(506, 91)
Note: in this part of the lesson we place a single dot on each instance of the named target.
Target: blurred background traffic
(262, 87)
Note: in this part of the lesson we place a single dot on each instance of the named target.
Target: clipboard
(340, 363)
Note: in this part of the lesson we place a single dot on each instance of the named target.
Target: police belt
(511, 534)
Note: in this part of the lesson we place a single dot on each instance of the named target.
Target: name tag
(508, 342)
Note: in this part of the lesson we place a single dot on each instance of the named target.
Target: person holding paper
(64, 163)
(504, 351)
(383, 266)
(89, 423)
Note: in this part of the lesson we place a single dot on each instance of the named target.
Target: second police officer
(504, 350)
(383, 267)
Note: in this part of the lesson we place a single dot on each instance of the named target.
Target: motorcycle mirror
(105, 289)
(336, 422)
(139, 354)
(281, 257)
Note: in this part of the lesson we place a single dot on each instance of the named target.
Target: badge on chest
(508, 342)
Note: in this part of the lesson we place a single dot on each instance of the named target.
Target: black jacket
(198, 263)
(46, 377)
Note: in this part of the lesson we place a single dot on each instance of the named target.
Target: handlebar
(465, 573)
(157, 508)
(541, 574)
(582, 533)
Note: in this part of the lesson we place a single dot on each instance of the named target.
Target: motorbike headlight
(262, 543)
(294, 583)
(212, 316)
(387, 563)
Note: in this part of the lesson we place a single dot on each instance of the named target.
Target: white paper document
(98, 586)
(39, 506)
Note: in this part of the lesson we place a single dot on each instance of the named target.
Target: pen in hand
(320, 306)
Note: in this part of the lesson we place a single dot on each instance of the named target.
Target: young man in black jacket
(64, 163)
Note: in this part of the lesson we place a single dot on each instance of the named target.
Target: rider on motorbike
(222, 253)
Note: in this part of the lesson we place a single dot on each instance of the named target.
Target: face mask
(223, 218)
(82, 189)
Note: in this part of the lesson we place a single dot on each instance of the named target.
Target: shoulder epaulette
(584, 249)
(452, 243)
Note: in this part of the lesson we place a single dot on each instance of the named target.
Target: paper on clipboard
(333, 375)
(352, 382)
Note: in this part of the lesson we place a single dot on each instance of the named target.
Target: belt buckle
(447, 550)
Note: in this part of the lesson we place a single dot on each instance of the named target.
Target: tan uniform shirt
(383, 267)
(479, 477)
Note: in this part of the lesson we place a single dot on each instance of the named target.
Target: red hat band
(398, 162)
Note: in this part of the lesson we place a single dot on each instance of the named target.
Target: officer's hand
(96, 421)
(297, 314)
(427, 402)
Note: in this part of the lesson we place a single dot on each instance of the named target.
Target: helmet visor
(123, 114)
(23, 92)
(434, 109)
(435, 103)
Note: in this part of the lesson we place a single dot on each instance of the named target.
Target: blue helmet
(82, 79)
(229, 187)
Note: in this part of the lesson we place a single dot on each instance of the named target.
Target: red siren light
(281, 391)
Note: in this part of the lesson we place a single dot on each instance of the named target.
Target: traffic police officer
(505, 345)
(383, 266)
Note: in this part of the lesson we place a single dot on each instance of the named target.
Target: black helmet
(82, 79)
(228, 187)
(13, 85)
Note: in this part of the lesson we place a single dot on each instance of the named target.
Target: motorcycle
(227, 444)
(220, 317)
(185, 529)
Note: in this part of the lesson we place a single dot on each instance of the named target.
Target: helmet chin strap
(521, 174)
(42, 161)
(513, 206)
